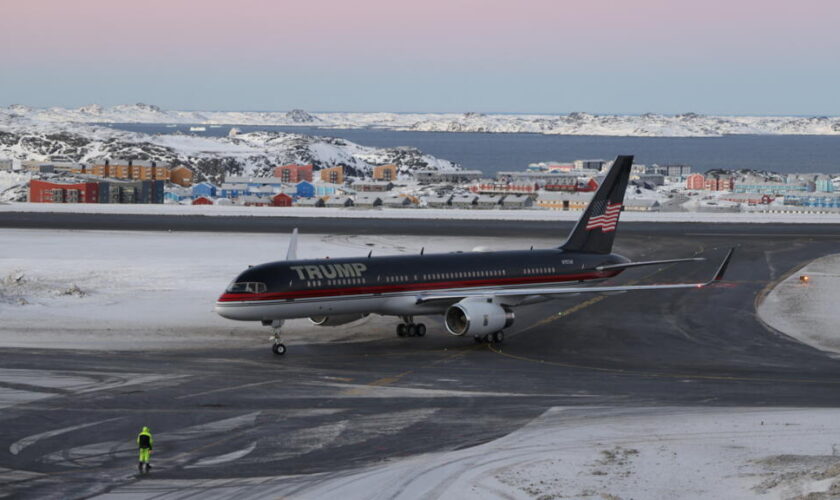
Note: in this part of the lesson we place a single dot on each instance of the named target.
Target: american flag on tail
(604, 215)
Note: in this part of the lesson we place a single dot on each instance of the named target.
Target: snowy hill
(25, 136)
(646, 125)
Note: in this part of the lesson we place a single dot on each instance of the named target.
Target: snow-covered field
(149, 290)
(808, 312)
(646, 125)
(414, 213)
(603, 453)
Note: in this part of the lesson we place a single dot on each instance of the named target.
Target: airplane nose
(225, 310)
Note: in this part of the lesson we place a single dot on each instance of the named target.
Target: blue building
(233, 190)
(305, 190)
(824, 184)
(326, 189)
(204, 189)
(814, 200)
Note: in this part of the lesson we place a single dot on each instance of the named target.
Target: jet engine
(340, 319)
(477, 317)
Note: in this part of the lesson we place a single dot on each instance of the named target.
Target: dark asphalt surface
(329, 407)
(327, 225)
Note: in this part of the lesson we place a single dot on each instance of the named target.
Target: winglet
(722, 269)
(291, 253)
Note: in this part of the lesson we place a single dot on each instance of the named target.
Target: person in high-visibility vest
(144, 442)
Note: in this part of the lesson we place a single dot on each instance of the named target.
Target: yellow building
(385, 173)
(334, 175)
(556, 200)
(181, 175)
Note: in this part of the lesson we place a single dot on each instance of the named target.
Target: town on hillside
(546, 186)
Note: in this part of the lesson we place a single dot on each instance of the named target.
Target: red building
(590, 186)
(281, 200)
(58, 192)
(571, 185)
(504, 188)
(294, 173)
(202, 200)
(696, 182)
(720, 183)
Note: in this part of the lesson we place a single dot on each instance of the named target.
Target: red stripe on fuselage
(412, 287)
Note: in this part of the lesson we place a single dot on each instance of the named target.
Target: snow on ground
(807, 312)
(604, 453)
(415, 213)
(141, 290)
(10, 180)
(650, 453)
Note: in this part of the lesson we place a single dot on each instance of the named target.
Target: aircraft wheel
(421, 330)
(499, 337)
(412, 330)
(488, 338)
(278, 349)
(477, 339)
(402, 330)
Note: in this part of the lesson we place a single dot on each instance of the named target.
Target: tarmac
(242, 415)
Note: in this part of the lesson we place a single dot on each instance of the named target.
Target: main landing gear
(277, 347)
(410, 329)
(490, 338)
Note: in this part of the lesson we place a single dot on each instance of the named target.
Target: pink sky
(448, 30)
(468, 40)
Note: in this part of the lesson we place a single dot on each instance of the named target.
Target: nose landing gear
(277, 347)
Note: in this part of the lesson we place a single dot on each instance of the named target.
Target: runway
(228, 415)
(409, 226)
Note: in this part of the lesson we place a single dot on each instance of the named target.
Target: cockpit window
(246, 287)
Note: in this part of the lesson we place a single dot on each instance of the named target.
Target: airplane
(476, 292)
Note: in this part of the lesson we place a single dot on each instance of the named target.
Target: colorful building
(334, 175)
(563, 201)
(281, 200)
(326, 189)
(63, 192)
(720, 183)
(181, 175)
(385, 173)
(204, 189)
(305, 190)
(696, 182)
(293, 174)
(515, 187)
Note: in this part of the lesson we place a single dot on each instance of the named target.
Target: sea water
(491, 153)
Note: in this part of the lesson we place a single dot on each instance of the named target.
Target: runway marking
(594, 300)
(384, 381)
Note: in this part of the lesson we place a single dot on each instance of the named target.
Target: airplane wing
(563, 290)
(647, 263)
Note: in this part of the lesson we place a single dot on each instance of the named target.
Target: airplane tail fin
(595, 231)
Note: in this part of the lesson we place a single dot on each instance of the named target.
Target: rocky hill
(254, 153)
(646, 125)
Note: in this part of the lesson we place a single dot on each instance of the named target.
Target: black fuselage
(388, 274)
